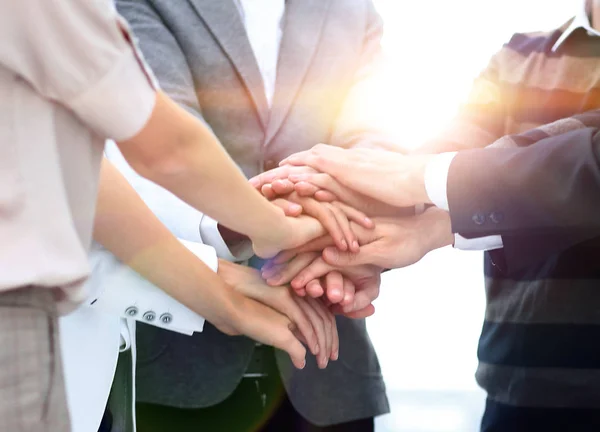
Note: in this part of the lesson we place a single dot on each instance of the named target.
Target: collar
(581, 20)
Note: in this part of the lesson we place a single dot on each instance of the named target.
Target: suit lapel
(303, 23)
(223, 20)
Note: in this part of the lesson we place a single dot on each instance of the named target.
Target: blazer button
(166, 318)
(270, 164)
(497, 217)
(149, 316)
(131, 311)
(478, 218)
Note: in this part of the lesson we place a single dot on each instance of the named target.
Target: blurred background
(429, 315)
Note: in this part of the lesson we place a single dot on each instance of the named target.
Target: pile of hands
(349, 215)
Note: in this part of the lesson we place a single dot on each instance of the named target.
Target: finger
(315, 289)
(316, 245)
(302, 321)
(306, 189)
(344, 225)
(355, 215)
(289, 271)
(335, 346)
(325, 353)
(315, 270)
(349, 290)
(290, 208)
(325, 215)
(320, 157)
(318, 327)
(324, 196)
(267, 191)
(282, 187)
(334, 283)
(338, 258)
(289, 343)
(332, 326)
(276, 174)
(274, 329)
(363, 297)
(321, 181)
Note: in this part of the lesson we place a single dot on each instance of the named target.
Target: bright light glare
(429, 315)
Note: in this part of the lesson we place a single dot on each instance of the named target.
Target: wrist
(437, 226)
(417, 178)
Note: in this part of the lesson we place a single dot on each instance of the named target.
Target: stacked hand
(349, 215)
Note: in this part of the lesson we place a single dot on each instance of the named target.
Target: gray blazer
(201, 56)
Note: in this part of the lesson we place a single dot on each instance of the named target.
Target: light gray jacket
(202, 58)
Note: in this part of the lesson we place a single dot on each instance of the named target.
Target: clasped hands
(354, 216)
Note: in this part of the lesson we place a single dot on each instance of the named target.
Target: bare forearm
(127, 228)
(178, 152)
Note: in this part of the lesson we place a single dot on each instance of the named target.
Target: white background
(429, 316)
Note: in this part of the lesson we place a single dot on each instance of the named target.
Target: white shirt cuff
(209, 231)
(436, 185)
(478, 244)
(436, 179)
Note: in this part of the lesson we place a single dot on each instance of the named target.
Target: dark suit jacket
(201, 56)
(542, 199)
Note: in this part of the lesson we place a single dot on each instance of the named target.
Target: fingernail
(303, 364)
(368, 220)
(344, 244)
(298, 283)
(336, 356)
(295, 207)
(316, 350)
(355, 245)
(254, 182)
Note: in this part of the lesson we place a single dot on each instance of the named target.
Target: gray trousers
(32, 389)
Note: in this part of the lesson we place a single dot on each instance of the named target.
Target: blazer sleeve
(79, 54)
(548, 192)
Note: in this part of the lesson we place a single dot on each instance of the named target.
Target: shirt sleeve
(81, 54)
(436, 185)
(118, 290)
(209, 231)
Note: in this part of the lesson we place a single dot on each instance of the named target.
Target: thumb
(336, 258)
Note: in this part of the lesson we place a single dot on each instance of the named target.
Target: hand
(290, 233)
(311, 275)
(307, 182)
(325, 188)
(365, 282)
(394, 243)
(338, 290)
(314, 322)
(264, 181)
(335, 218)
(392, 178)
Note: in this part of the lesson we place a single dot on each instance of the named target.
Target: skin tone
(126, 227)
(378, 183)
(176, 151)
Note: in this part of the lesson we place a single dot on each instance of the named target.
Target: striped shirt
(539, 355)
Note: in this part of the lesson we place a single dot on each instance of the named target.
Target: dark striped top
(540, 342)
